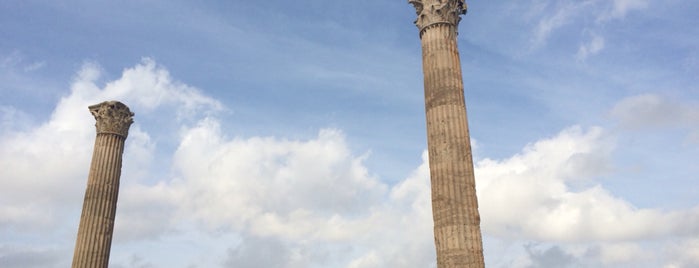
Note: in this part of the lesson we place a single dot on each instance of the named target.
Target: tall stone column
(457, 232)
(97, 221)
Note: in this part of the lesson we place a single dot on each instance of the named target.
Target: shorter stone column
(97, 221)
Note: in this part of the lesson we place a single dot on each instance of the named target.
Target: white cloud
(654, 111)
(593, 47)
(528, 196)
(297, 193)
(23, 257)
(13, 120)
(370, 260)
(562, 13)
(43, 168)
(612, 254)
(311, 200)
(145, 212)
(143, 88)
(657, 113)
(622, 7)
(260, 252)
(561, 16)
(286, 190)
(553, 256)
(684, 253)
(265, 183)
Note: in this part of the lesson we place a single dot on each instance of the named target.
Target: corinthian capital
(430, 12)
(112, 117)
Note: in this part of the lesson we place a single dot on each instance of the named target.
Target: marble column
(454, 204)
(97, 221)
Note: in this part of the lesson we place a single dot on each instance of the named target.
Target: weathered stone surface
(432, 12)
(94, 239)
(454, 203)
(112, 117)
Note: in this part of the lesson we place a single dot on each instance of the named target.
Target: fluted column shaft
(454, 202)
(94, 239)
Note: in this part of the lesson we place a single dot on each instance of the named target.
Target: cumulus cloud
(551, 257)
(43, 167)
(534, 200)
(260, 252)
(265, 183)
(548, 255)
(307, 202)
(23, 257)
(685, 253)
(309, 196)
(530, 196)
(300, 193)
(618, 253)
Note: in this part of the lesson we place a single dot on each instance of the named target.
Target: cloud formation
(311, 202)
(647, 111)
(293, 192)
(50, 160)
(594, 46)
(532, 195)
(622, 7)
(585, 16)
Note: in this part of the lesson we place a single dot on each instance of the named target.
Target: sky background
(292, 134)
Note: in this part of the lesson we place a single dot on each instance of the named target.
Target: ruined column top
(112, 117)
(431, 12)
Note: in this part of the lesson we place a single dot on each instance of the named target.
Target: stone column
(457, 232)
(97, 221)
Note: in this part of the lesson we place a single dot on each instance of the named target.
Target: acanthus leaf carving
(430, 12)
(112, 117)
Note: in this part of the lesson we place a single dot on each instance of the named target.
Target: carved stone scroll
(112, 117)
(431, 12)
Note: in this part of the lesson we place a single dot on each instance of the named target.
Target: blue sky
(270, 134)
